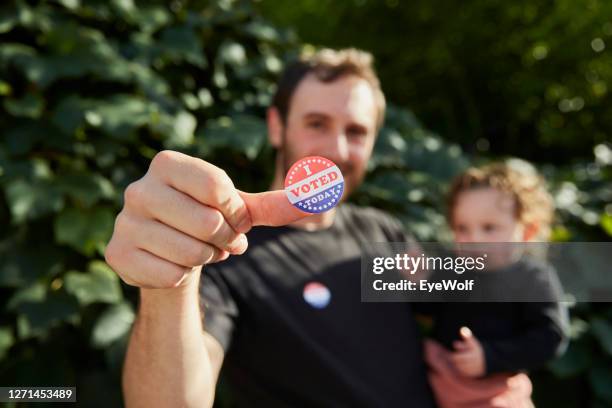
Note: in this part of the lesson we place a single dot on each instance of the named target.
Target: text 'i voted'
(314, 184)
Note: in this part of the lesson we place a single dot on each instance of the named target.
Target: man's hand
(185, 213)
(468, 357)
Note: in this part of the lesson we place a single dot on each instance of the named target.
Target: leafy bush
(90, 91)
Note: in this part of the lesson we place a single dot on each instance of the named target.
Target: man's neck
(314, 222)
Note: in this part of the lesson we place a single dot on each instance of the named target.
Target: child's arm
(543, 338)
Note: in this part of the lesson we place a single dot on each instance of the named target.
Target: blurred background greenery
(91, 90)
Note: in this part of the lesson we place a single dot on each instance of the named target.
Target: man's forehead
(349, 96)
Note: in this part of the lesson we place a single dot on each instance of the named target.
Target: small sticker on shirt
(317, 295)
(314, 184)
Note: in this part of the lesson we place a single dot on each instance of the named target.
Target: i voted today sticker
(317, 295)
(314, 184)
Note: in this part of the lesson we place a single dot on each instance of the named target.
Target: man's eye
(356, 133)
(315, 125)
(460, 228)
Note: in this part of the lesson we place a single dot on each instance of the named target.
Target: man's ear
(530, 231)
(275, 127)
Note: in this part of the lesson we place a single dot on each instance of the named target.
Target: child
(480, 350)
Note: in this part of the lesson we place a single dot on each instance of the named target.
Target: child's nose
(478, 236)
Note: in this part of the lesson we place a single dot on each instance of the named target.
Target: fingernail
(240, 244)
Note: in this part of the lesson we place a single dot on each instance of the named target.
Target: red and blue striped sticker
(317, 295)
(314, 184)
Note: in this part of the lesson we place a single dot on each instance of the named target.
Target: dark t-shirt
(326, 348)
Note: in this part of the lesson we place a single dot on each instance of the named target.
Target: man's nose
(338, 150)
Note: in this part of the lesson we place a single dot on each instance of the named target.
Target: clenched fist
(185, 213)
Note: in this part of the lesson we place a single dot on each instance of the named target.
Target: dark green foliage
(89, 92)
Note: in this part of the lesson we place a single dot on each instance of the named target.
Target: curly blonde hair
(532, 201)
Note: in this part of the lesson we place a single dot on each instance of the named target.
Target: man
(285, 317)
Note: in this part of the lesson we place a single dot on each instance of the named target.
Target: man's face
(336, 120)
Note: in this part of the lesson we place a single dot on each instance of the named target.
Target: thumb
(271, 208)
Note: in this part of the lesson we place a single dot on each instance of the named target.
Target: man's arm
(184, 213)
(170, 360)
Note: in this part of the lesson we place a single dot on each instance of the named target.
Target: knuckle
(126, 227)
(114, 255)
(194, 254)
(220, 184)
(134, 194)
(162, 159)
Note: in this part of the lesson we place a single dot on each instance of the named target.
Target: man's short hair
(328, 65)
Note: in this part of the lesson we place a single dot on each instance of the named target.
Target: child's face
(486, 215)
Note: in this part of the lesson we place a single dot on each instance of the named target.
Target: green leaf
(178, 130)
(86, 188)
(122, 114)
(69, 114)
(5, 88)
(182, 44)
(152, 18)
(32, 200)
(232, 53)
(244, 133)
(70, 4)
(30, 106)
(33, 293)
(6, 340)
(100, 284)
(39, 317)
(7, 21)
(19, 268)
(89, 53)
(126, 7)
(602, 330)
(18, 54)
(113, 324)
(118, 116)
(262, 31)
(148, 80)
(87, 231)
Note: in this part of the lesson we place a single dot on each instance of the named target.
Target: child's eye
(489, 227)
(460, 228)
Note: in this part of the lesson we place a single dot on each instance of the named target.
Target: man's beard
(352, 179)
